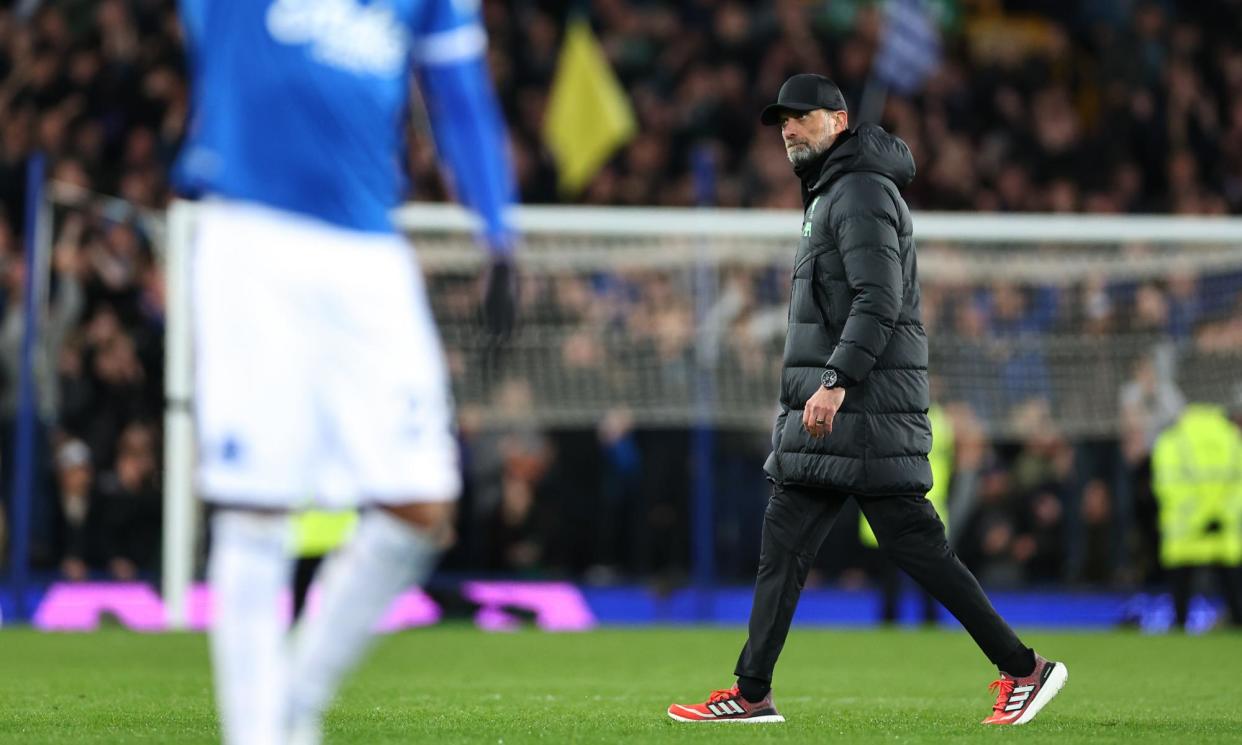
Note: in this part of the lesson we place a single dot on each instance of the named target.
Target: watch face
(829, 378)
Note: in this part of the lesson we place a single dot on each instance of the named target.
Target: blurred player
(319, 369)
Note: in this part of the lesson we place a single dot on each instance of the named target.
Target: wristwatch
(829, 378)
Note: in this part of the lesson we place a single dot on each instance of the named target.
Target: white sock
(386, 556)
(248, 570)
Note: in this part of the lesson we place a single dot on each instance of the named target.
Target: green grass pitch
(453, 684)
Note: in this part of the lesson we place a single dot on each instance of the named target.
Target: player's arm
(470, 135)
(451, 67)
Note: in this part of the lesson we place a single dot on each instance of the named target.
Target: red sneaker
(1018, 700)
(727, 705)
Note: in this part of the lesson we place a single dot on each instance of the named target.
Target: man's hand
(820, 409)
(500, 298)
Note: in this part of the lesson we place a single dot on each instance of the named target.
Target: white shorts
(320, 379)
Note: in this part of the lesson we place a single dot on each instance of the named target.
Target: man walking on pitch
(854, 399)
(319, 367)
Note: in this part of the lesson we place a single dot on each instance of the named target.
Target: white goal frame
(181, 510)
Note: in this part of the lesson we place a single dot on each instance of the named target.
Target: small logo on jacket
(810, 216)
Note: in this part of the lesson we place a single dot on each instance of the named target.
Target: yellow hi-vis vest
(1196, 472)
(941, 458)
(316, 532)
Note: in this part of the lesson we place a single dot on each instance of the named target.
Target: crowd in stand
(1113, 106)
(1100, 107)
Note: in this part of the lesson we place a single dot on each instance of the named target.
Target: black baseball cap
(804, 92)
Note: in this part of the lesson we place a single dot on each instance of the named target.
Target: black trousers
(1182, 580)
(794, 526)
(892, 586)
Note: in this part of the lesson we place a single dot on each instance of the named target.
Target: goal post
(180, 506)
(609, 327)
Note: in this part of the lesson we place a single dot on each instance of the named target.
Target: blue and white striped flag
(909, 46)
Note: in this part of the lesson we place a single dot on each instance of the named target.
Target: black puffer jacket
(855, 307)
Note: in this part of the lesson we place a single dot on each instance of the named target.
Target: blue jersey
(300, 104)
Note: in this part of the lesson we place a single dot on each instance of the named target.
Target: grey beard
(804, 154)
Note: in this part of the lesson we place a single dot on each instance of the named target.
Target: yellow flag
(588, 115)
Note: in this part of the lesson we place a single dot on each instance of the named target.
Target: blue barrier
(558, 606)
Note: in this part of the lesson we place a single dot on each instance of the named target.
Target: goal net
(677, 317)
(1082, 325)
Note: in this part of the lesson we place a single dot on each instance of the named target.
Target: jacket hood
(867, 149)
